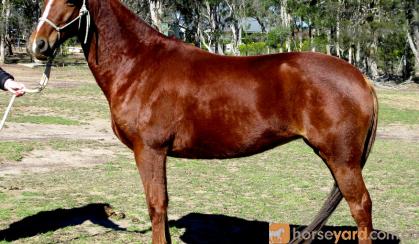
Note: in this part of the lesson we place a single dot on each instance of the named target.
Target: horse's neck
(118, 42)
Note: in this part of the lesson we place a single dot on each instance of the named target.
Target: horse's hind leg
(343, 156)
(152, 167)
(352, 186)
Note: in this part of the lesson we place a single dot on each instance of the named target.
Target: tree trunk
(358, 54)
(5, 29)
(338, 30)
(213, 18)
(414, 38)
(337, 39)
(207, 37)
(2, 50)
(413, 47)
(350, 55)
(311, 35)
(5, 13)
(288, 44)
(240, 41)
(207, 45)
(371, 67)
(329, 40)
(9, 45)
(235, 35)
(283, 13)
(156, 12)
(220, 49)
(236, 10)
(236, 31)
(262, 25)
(285, 22)
(300, 39)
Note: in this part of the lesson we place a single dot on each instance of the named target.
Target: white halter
(83, 12)
(45, 77)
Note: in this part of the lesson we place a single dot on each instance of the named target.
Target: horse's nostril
(42, 45)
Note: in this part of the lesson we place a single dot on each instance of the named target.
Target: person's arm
(8, 83)
(4, 76)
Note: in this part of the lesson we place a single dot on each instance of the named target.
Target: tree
(156, 13)
(5, 14)
(380, 37)
(236, 14)
(412, 33)
(140, 7)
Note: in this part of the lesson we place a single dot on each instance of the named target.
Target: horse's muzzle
(40, 48)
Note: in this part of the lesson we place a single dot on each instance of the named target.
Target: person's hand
(15, 87)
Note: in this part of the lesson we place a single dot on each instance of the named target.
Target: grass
(391, 115)
(42, 119)
(398, 107)
(77, 105)
(14, 151)
(283, 185)
(72, 98)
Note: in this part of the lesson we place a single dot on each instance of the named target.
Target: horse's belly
(223, 148)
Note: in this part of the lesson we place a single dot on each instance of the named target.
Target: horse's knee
(158, 211)
(157, 204)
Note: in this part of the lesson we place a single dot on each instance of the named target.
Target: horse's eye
(71, 3)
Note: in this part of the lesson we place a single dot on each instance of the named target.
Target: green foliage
(390, 51)
(320, 43)
(306, 46)
(253, 37)
(276, 37)
(70, 42)
(254, 48)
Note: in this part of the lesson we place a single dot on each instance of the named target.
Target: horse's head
(60, 20)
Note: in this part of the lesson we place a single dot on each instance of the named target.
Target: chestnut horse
(168, 98)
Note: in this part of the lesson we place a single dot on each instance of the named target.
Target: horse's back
(240, 106)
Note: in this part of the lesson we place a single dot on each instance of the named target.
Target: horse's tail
(329, 206)
(335, 196)
(373, 126)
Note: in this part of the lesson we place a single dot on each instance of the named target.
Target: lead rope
(42, 84)
(45, 77)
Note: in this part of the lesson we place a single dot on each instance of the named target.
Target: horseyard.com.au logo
(279, 233)
(283, 234)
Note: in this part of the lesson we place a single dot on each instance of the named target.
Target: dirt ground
(47, 159)
(43, 160)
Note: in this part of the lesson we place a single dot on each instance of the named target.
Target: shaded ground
(199, 228)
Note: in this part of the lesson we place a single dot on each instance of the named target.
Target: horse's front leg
(151, 164)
